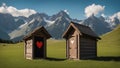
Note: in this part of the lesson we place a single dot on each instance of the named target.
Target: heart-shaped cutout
(39, 44)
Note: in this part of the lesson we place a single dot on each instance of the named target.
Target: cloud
(15, 12)
(93, 9)
(116, 15)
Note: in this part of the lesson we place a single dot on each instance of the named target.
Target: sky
(79, 9)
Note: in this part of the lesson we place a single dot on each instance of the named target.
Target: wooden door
(73, 47)
(38, 47)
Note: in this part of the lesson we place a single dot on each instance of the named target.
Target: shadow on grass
(101, 58)
(55, 59)
(107, 58)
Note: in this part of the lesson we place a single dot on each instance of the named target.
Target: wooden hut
(81, 42)
(35, 43)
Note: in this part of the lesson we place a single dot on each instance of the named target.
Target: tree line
(8, 41)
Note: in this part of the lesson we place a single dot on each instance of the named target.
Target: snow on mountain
(49, 22)
(18, 33)
(30, 24)
(22, 25)
(113, 22)
(62, 21)
(66, 11)
(32, 21)
(15, 28)
(97, 24)
(55, 25)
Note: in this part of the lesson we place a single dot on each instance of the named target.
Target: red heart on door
(39, 44)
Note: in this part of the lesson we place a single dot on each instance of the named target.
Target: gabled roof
(38, 29)
(82, 29)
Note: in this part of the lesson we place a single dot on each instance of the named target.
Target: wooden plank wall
(87, 48)
(45, 48)
(29, 49)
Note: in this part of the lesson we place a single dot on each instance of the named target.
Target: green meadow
(12, 56)
(108, 52)
(109, 45)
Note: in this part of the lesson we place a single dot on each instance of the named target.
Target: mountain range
(15, 28)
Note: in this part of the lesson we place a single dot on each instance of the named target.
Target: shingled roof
(40, 29)
(82, 29)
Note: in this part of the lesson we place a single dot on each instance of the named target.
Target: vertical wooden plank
(33, 42)
(28, 49)
(96, 48)
(25, 49)
(33, 47)
(66, 49)
(68, 55)
(78, 45)
(45, 47)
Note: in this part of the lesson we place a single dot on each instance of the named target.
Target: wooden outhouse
(81, 42)
(35, 43)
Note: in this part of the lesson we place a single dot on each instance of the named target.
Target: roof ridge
(81, 24)
(85, 29)
(36, 29)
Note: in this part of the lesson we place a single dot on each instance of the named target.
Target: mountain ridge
(55, 24)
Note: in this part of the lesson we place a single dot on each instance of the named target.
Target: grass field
(110, 43)
(12, 56)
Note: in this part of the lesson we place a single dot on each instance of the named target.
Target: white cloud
(93, 9)
(66, 11)
(15, 12)
(116, 15)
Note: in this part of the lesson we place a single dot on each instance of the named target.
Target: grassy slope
(110, 43)
(12, 55)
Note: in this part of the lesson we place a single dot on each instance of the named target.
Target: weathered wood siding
(35, 43)
(87, 48)
(29, 49)
(81, 42)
